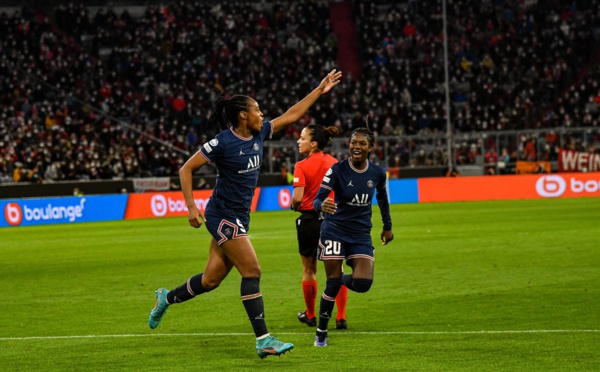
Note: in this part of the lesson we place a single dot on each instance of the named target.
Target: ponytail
(322, 134)
(225, 114)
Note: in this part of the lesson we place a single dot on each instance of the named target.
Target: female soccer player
(308, 175)
(346, 230)
(237, 152)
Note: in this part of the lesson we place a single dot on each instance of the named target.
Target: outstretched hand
(331, 80)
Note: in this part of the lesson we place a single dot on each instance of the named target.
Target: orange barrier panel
(531, 167)
(565, 185)
(169, 204)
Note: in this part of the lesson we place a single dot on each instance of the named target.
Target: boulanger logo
(13, 214)
(284, 198)
(158, 204)
(550, 186)
(161, 205)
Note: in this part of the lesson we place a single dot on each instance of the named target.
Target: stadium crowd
(107, 94)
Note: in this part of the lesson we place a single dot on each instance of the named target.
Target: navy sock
(255, 307)
(347, 281)
(327, 301)
(357, 285)
(190, 289)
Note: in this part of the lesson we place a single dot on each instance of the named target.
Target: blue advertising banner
(46, 211)
(403, 191)
(275, 198)
(280, 197)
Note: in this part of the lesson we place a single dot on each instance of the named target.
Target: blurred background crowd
(116, 92)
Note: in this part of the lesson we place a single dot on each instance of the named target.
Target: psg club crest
(228, 231)
(213, 142)
(255, 147)
(370, 183)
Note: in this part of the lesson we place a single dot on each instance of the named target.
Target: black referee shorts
(308, 228)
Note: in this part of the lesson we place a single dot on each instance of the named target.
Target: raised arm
(294, 113)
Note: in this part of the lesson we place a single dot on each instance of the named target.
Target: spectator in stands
(491, 160)
(104, 80)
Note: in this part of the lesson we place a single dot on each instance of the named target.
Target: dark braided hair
(366, 132)
(322, 134)
(225, 114)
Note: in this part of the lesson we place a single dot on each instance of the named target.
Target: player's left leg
(241, 253)
(217, 268)
(333, 271)
(361, 278)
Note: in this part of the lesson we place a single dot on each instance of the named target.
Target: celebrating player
(308, 175)
(346, 230)
(237, 152)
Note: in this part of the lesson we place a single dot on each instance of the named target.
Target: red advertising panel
(168, 204)
(575, 161)
(565, 185)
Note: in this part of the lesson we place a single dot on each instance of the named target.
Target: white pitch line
(302, 333)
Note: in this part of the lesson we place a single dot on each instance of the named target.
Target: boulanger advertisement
(45, 211)
(48, 211)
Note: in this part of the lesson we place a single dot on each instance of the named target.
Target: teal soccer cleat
(159, 309)
(272, 346)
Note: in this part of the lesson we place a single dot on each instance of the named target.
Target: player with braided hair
(346, 230)
(237, 152)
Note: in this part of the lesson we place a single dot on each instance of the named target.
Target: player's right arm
(195, 217)
(322, 202)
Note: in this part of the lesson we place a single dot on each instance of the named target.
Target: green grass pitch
(482, 286)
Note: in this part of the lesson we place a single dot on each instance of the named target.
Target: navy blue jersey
(238, 161)
(354, 191)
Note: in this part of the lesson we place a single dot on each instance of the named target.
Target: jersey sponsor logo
(326, 179)
(253, 164)
(207, 147)
(360, 200)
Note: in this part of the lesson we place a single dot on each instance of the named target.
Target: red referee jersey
(309, 173)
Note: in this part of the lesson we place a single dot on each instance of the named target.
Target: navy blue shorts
(224, 227)
(337, 245)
